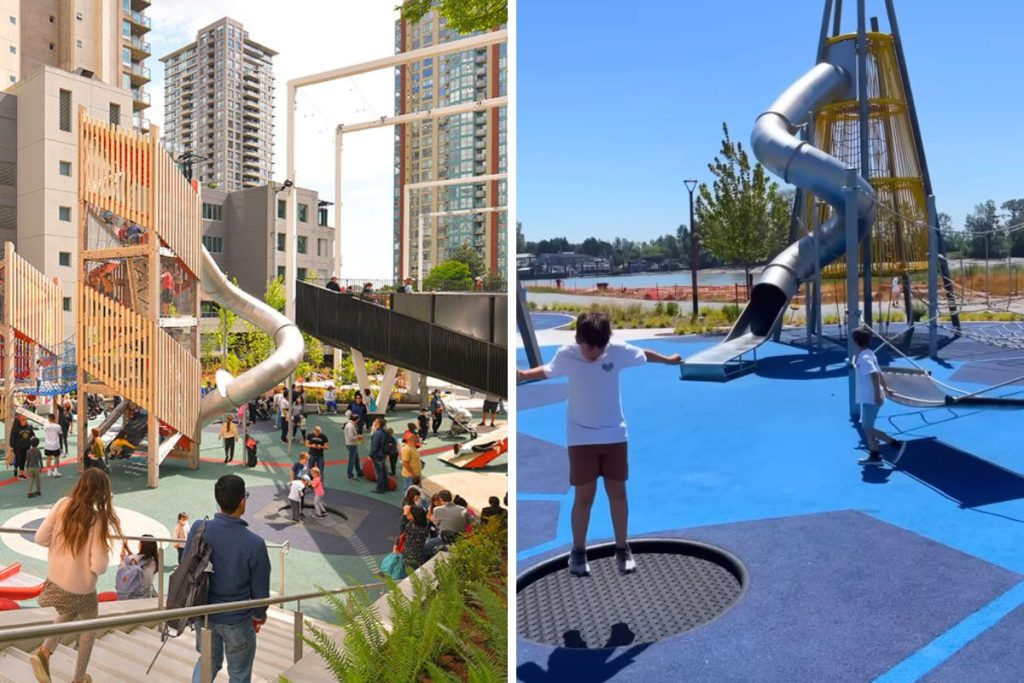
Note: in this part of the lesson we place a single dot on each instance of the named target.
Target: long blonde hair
(90, 503)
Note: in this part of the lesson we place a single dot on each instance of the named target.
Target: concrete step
(15, 667)
(163, 669)
(130, 664)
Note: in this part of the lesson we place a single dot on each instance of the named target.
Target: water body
(678, 278)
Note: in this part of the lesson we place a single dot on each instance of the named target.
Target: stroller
(257, 411)
(462, 421)
(250, 452)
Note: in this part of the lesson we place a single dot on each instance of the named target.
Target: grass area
(664, 314)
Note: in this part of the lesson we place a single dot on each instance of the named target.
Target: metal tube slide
(234, 391)
(777, 147)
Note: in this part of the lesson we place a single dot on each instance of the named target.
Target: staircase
(125, 655)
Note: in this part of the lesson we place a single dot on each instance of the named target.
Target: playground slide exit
(777, 147)
(234, 391)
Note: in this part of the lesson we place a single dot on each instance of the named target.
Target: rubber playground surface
(328, 553)
(855, 574)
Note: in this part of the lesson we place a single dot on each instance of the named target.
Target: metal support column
(852, 297)
(933, 284)
(865, 132)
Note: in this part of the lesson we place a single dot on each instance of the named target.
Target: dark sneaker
(578, 565)
(624, 558)
(873, 460)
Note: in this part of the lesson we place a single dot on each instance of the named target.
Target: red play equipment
(17, 586)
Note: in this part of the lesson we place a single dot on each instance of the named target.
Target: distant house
(566, 264)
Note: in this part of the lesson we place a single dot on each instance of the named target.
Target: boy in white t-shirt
(870, 394)
(51, 445)
(596, 429)
(296, 488)
(894, 295)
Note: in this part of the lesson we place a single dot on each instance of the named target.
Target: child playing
(181, 532)
(596, 429)
(295, 490)
(34, 465)
(870, 394)
(318, 494)
(51, 445)
(424, 422)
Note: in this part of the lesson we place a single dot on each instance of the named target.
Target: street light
(691, 185)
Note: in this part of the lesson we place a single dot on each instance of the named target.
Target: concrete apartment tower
(458, 146)
(103, 40)
(219, 105)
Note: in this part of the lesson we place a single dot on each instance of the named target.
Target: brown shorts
(608, 460)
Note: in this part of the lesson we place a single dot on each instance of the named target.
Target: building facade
(219, 106)
(457, 146)
(46, 196)
(104, 40)
(244, 231)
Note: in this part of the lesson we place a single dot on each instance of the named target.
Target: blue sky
(619, 102)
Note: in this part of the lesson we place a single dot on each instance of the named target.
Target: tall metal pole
(339, 137)
(691, 185)
(933, 285)
(852, 298)
(865, 132)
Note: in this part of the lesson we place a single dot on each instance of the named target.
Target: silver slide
(806, 166)
(231, 391)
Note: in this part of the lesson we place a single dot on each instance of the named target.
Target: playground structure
(36, 361)
(863, 155)
(141, 262)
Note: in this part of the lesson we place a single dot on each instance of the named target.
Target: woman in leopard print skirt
(79, 532)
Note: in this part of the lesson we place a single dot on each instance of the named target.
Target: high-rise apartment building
(104, 40)
(457, 146)
(219, 106)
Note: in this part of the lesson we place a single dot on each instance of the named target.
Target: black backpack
(189, 586)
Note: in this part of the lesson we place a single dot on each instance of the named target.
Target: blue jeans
(382, 475)
(353, 461)
(237, 642)
(406, 483)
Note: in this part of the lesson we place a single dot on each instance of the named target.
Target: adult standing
(490, 406)
(21, 441)
(316, 444)
(242, 573)
(352, 439)
(229, 433)
(332, 285)
(371, 403)
(65, 417)
(79, 532)
(412, 466)
(284, 415)
(357, 407)
(436, 410)
(379, 454)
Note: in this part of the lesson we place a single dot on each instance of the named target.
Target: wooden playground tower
(31, 325)
(140, 232)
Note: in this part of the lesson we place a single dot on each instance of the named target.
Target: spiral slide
(777, 147)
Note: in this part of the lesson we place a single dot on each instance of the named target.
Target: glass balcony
(139, 20)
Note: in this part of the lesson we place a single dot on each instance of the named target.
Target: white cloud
(312, 36)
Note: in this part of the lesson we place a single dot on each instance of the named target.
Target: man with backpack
(241, 571)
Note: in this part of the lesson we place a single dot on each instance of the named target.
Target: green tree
(463, 16)
(465, 253)
(448, 276)
(744, 217)
(980, 226)
(1015, 207)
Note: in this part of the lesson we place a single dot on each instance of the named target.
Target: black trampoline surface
(678, 586)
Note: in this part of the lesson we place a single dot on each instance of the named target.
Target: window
(126, 29)
(65, 110)
(282, 208)
(126, 55)
(321, 247)
(302, 246)
(213, 212)
(322, 214)
(301, 273)
(115, 114)
(14, 50)
(280, 271)
(280, 241)
(64, 213)
(78, 43)
(65, 169)
(208, 309)
(64, 258)
(214, 245)
(67, 303)
(14, 20)
(304, 213)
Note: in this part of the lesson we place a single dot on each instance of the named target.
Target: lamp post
(691, 185)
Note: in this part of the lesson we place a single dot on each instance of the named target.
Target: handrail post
(297, 633)
(281, 550)
(160, 577)
(206, 652)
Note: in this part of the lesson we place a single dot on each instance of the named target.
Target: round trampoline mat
(678, 586)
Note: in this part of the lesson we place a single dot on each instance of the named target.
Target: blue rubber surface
(550, 321)
(780, 442)
(897, 590)
(536, 521)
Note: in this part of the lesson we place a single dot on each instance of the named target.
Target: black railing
(349, 322)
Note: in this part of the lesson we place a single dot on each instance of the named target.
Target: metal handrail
(18, 633)
(26, 531)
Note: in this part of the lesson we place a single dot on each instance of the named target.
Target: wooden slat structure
(31, 320)
(122, 346)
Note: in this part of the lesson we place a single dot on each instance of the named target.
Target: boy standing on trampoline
(870, 394)
(596, 428)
